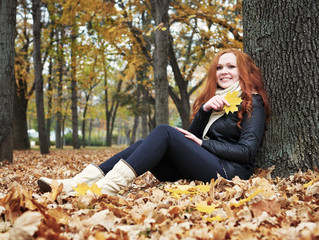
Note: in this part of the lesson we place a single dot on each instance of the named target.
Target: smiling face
(227, 71)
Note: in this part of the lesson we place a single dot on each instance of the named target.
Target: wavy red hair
(250, 80)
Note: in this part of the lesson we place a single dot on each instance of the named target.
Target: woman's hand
(190, 136)
(217, 103)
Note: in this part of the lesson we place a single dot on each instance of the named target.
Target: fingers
(190, 136)
(216, 103)
(182, 130)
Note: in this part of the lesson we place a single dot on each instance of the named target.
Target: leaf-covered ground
(259, 208)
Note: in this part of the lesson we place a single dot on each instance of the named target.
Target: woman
(216, 143)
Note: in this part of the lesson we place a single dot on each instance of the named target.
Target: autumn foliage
(258, 208)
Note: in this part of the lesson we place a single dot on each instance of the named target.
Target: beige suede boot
(116, 179)
(89, 175)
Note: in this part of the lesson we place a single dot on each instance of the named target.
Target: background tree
(282, 37)
(24, 81)
(7, 53)
(38, 77)
(161, 42)
(197, 28)
(124, 31)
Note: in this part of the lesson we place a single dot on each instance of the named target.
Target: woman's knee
(164, 128)
(139, 142)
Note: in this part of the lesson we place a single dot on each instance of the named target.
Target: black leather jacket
(235, 147)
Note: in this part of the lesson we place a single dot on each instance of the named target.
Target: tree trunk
(282, 37)
(58, 127)
(110, 111)
(160, 15)
(49, 93)
(181, 102)
(20, 128)
(38, 79)
(134, 130)
(90, 131)
(21, 95)
(7, 53)
(84, 120)
(74, 97)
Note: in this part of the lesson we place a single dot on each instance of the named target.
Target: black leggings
(170, 156)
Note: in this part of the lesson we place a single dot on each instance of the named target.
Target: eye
(219, 67)
(231, 66)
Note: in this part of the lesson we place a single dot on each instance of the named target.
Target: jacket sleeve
(252, 132)
(199, 122)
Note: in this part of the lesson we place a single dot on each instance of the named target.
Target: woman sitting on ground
(215, 143)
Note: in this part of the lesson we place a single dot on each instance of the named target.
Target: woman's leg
(109, 164)
(166, 150)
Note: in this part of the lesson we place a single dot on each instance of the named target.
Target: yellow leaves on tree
(233, 100)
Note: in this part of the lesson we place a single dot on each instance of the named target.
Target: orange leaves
(17, 201)
(257, 208)
(233, 100)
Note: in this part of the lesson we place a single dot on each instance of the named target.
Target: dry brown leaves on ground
(259, 208)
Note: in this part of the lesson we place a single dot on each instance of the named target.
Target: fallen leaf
(83, 189)
(56, 189)
(272, 207)
(25, 226)
(203, 207)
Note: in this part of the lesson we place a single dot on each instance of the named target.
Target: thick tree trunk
(21, 96)
(282, 37)
(38, 76)
(160, 15)
(7, 36)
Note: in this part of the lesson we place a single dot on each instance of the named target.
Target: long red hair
(250, 80)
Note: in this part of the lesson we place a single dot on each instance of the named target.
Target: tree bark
(20, 128)
(282, 37)
(58, 126)
(134, 130)
(38, 78)
(7, 53)
(87, 98)
(74, 95)
(160, 15)
(21, 94)
(49, 93)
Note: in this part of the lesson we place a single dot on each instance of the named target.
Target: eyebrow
(226, 63)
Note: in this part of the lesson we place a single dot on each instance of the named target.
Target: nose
(224, 70)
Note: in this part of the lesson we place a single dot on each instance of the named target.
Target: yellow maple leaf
(179, 190)
(248, 199)
(83, 188)
(233, 100)
(203, 207)
(213, 219)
